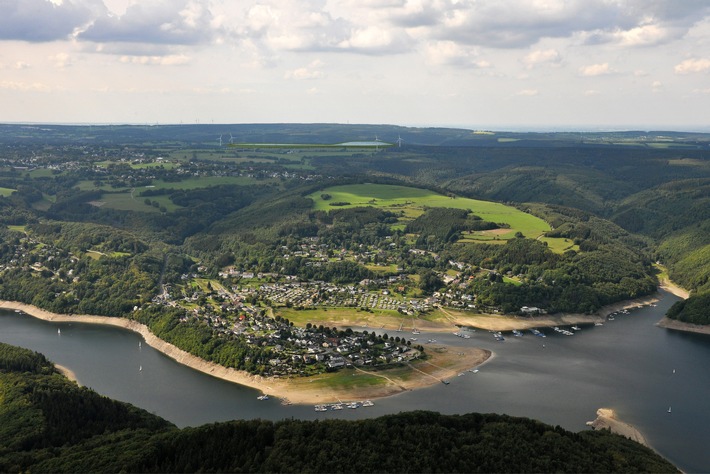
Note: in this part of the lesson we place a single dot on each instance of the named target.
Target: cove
(627, 365)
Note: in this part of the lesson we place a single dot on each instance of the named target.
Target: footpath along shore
(442, 364)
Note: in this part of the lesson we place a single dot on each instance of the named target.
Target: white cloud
(309, 72)
(692, 65)
(449, 53)
(595, 70)
(61, 60)
(181, 22)
(539, 57)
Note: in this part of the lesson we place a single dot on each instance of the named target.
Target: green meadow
(411, 202)
(5, 192)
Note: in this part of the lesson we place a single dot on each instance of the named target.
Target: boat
(415, 332)
(473, 371)
(498, 336)
(598, 323)
(59, 331)
(610, 317)
(368, 403)
(412, 338)
(445, 382)
(576, 328)
(321, 408)
(460, 374)
(18, 311)
(337, 406)
(517, 333)
(140, 368)
(353, 405)
(139, 345)
(537, 333)
(669, 409)
(262, 397)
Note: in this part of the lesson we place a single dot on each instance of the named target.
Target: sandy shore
(668, 323)
(68, 373)
(671, 287)
(495, 322)
(442, 364)
(606, 419)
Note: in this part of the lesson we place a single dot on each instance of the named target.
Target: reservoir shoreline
(443, 364)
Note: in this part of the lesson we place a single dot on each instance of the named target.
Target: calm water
(626, 365)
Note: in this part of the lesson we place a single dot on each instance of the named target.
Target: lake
(629, 365)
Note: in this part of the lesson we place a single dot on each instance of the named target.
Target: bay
(629, 365)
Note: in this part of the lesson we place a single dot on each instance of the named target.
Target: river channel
(628, 364)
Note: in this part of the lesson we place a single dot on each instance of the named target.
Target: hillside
(48, 424)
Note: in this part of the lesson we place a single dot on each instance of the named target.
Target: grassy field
(412, 202)
(5, 192)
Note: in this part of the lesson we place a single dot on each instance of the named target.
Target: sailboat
(140, 368)
(59, 331)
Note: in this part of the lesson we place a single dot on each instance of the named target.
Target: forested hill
(48, 424)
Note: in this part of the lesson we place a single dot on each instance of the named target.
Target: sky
(480, 64)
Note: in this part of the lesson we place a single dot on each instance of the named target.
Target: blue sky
(494, 64)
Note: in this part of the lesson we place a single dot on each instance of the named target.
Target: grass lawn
(18, 228)
(413, 201)
(560, 245)
(5, 192)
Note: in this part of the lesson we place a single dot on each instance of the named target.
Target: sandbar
(442, 364)
(606, 419)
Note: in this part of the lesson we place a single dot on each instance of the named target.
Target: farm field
(5, 192)
(412, 202)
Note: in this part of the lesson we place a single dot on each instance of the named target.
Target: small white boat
(576, 328)
(140, 368)
(321, 408)
(368, 403)
(59, 331)
(262, 397)
(669, 409)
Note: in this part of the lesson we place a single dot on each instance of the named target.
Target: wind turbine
(399, 141)
(220, 140)
(231, 139)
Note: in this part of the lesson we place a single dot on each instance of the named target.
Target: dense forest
(48, 424)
